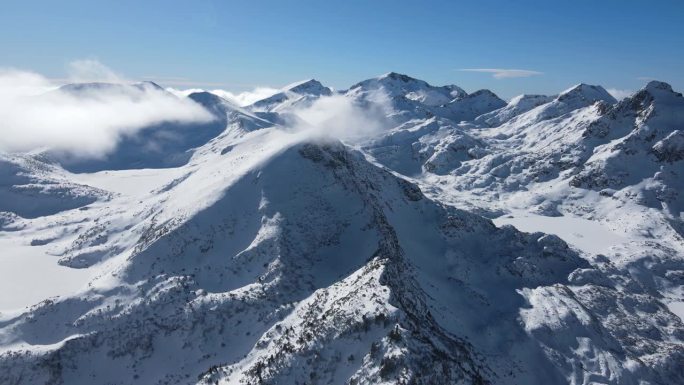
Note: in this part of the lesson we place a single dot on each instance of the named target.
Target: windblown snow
(392, 233)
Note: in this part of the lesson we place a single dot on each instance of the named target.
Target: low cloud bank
(89, 121)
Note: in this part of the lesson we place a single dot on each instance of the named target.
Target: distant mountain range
(248, 251)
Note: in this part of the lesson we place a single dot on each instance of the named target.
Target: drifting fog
(339, 117)
(35, 114)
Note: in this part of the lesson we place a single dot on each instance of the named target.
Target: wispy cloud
(619, 94)
(504, 73)
(90, 70)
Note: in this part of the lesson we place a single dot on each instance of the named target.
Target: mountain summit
(299, 94)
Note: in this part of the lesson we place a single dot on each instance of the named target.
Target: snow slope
(278, 255)
(518, 105)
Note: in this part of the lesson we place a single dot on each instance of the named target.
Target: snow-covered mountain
(397, 85)
(298, 94)
(31, 187)
(518, 105)
(413, 98)
(279, 255)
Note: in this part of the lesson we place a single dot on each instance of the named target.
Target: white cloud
(619, 94)
(503, 73)
(247, 97)
(340, 117)
(90, 123)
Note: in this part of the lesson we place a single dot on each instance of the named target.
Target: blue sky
(237, 45)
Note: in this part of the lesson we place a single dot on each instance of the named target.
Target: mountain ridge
(276, 254)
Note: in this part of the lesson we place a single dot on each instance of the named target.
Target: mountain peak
(393, 80)
(304, 91)
(653, 91)
(654, 85)
(587, 93)
(487, 95)
(660, 89)
(397, 76)
(310, 86)
(483, 92)
(455, 91)
(212, 102)
(151, 84)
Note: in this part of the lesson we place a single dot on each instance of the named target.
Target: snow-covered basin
(677, 308)
(128, 182)
(588, 236)
(28, 275)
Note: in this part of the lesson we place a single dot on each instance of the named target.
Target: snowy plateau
(392, 233)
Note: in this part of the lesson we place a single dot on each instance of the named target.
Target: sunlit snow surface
(677, 308)
(29, 271)
(589, 236)
(28, 274)
(274, 253)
